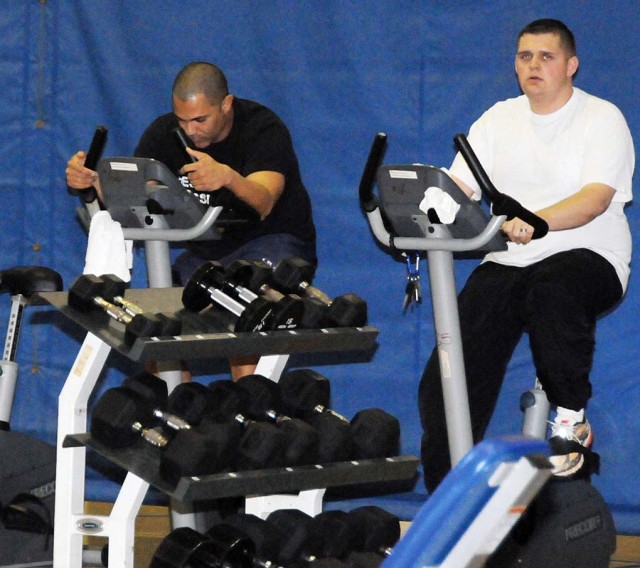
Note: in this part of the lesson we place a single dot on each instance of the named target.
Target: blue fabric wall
(336, 71)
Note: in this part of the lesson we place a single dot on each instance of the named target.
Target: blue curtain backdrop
(336, 71)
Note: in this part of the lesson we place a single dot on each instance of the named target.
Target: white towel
(107, 251)
(443, 204)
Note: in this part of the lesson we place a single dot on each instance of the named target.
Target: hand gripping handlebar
(502, 204)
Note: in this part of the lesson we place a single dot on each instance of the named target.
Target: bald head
(200, 78)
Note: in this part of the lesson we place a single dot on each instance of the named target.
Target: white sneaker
(566, 441)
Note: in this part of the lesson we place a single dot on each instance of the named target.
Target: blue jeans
(273, 248)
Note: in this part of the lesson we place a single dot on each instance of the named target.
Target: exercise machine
(564, 512)
(27, 480)
(152, 207)
(21, 282)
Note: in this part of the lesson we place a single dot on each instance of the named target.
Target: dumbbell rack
(141, 462)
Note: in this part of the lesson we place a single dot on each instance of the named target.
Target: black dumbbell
(264, 536)
(255, 276)
(375, 533)
(206, 449)
(292, 275)
(296, 543)
(365, 535)
(203, 289)
(335, 533)
(186, 406)
(293, 538)
(374, 432)
(374, 529)
(85, 295)
(206, 321)
(191, 401)
(362, 537)
(155, 393)
(267, 537)
(114, 291)
(307, 540)
(262, 444)
(310, 402)
(187, 548)
(193, 405)
(285, 314)
(263, 403)
(333, 433)
(121, 416)
(151, 387)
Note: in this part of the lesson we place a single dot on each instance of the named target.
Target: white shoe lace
(565, 431)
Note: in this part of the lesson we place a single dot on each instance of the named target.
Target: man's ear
(227, 104)
(572, 66)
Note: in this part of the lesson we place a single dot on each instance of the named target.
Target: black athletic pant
(557, 301)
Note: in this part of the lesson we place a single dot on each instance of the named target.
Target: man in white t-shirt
(567, 156)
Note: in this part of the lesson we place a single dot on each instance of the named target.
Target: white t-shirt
(540, 159)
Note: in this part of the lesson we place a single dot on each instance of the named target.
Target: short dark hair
(551, 26)
(200, 77)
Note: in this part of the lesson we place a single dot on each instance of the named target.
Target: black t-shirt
(258, 141)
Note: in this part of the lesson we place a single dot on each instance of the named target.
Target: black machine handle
(502, 204)
(367, 181)
(96, 148)
(184, 141)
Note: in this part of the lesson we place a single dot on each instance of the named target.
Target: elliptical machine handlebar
(502, 204)
(367, 198)
(89, 195)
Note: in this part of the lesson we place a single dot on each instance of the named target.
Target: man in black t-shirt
(245, 162)
(243, 159)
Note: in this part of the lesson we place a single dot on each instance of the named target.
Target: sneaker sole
(589, 440)
(567, 472)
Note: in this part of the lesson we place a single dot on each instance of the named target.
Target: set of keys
(412, 292)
